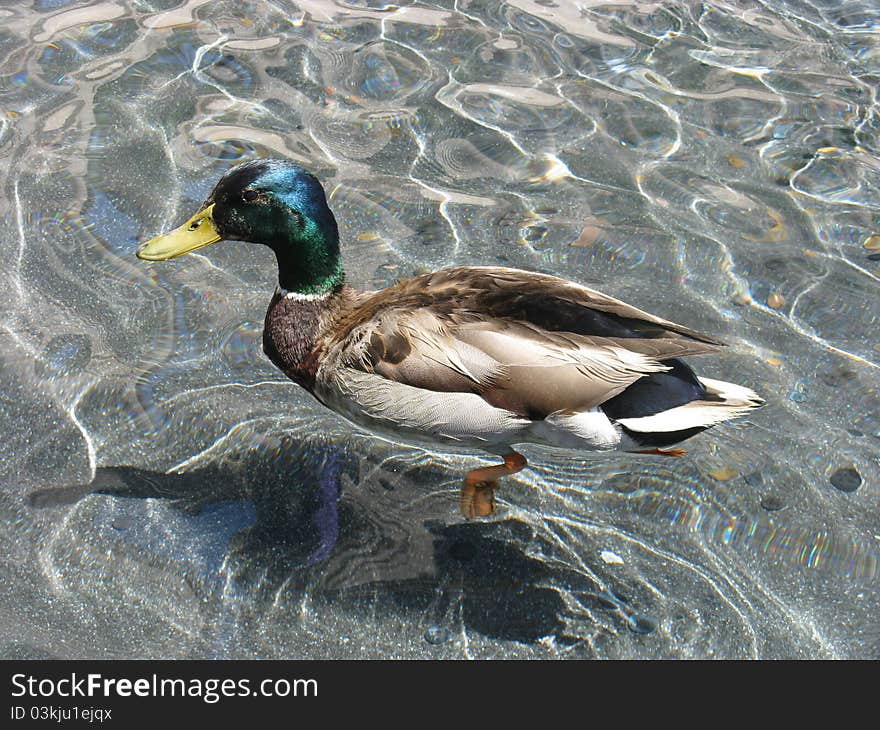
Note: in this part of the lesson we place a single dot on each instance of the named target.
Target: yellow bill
(197, 232)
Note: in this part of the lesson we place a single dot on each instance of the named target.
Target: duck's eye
(249, 195)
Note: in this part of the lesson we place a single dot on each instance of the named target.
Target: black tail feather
(657, 392)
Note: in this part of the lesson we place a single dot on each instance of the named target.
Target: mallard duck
(477, 356)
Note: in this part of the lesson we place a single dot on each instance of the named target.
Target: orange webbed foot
(477, 497)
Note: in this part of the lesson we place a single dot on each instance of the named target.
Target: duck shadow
(303, 520)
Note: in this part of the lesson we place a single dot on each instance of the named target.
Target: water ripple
(715, 164)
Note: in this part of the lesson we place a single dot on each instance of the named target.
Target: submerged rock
(846, 479)
(437, 635)
(640, 623)
(772, 504)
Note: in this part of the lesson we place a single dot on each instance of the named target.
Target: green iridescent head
(272, 202)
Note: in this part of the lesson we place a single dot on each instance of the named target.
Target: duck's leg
(478, 489)
(662, 452)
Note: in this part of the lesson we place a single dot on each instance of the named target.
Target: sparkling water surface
(167, 493)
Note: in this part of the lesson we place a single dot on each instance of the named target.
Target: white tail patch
(731, 392)
(585, 429)
(735, 400)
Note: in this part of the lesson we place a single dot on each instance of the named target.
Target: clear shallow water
(166, 493)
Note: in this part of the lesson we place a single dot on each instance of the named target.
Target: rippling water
(167, 493)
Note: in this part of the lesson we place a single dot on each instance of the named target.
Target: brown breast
(294, 330)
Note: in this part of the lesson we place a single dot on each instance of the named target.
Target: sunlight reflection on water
(168, 493)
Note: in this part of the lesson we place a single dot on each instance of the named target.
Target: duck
(477, 357)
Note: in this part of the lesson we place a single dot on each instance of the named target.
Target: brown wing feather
(418, 348)
(547, 301)
(531, 343)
